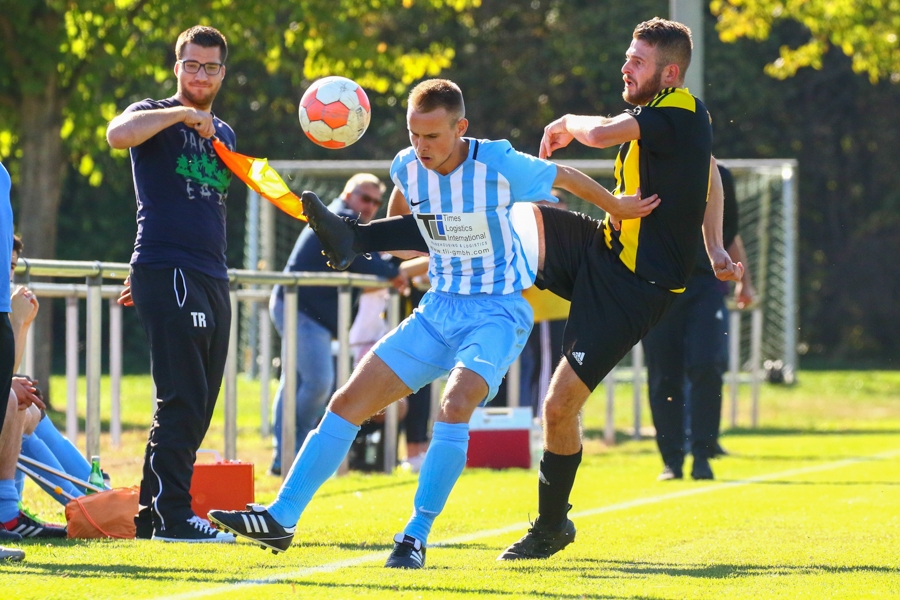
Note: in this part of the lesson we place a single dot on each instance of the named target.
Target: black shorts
(7, 362)
(612, 308)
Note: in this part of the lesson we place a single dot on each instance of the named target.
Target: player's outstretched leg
(273, 526)
(334, 232)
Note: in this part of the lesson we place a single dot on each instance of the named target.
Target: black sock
(392, 233)
(556, 478)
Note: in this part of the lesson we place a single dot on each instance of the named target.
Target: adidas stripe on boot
(256, 525)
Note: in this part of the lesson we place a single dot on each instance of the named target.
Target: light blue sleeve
(398, 170)
(530, 178)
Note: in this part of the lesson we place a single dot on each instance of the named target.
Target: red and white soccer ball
(334, 112)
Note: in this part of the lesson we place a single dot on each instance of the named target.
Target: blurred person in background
(317, 313)
(687, 353)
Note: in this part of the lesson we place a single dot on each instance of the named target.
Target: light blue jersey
(465, 216)
(6, 230)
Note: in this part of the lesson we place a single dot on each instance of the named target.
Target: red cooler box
(499, 438)
(222, 484)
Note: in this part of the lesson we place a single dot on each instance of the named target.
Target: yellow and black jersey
(670, 159)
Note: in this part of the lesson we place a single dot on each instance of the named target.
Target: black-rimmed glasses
(192, 66)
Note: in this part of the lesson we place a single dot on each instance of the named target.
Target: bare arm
(24, 308)
(724, 268)
(415, 267)
(133, 128)
(625, 207)
(744, 292)
(593, 131)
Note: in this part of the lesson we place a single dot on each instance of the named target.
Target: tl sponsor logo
(434, 224)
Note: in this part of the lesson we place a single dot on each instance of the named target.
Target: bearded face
(642, 92)
(641, 73)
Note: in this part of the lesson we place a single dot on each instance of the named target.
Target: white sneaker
(194, 530)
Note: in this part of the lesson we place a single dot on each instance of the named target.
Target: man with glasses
(317, 309)
(179, 281)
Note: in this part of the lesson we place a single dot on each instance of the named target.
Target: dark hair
(207, 37)
(18, 246)
(671, 39)
(433, 94)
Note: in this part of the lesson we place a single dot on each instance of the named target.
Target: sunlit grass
(805, 506)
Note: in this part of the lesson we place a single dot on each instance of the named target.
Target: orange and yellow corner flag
(262, 179)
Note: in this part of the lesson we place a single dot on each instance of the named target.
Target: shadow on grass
(776, 431)
(131, 571)
(720, 571)
(820, 483)
(363, 546)
(439, 590)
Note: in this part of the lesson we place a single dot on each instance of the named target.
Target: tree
(65, 66)
(865, 30)
(841, 129)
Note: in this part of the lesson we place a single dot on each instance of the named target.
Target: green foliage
(865, 30)
(90, 55)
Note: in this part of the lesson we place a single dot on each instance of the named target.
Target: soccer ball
(334, 112)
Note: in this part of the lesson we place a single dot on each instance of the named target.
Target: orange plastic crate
(226, 485)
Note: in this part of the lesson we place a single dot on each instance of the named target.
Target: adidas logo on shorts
(579, 357)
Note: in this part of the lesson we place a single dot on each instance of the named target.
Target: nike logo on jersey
(579, 357)
(478, 359)
(413, 203)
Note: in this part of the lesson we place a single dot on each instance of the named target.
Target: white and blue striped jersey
(465, 216)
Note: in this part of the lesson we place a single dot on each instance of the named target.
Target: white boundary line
(487, 533)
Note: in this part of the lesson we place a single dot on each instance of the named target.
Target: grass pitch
(804, 507)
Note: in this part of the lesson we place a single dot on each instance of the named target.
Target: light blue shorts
(483, 333)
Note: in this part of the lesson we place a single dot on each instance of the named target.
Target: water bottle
(96, 476)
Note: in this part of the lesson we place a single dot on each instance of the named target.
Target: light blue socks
(444, 463)
(321, 455)
(35, 448)
(9, 500)
(72, 461)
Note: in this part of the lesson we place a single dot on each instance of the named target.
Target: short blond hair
(433, 94)
(671, 39)
(360, 179)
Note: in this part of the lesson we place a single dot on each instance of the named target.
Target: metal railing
(93, 291)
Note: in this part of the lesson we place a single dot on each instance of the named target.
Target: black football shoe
(256, 525)
(408, 553)
(336, 233)
(701, 468)
(27, 527)
(540, 542)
